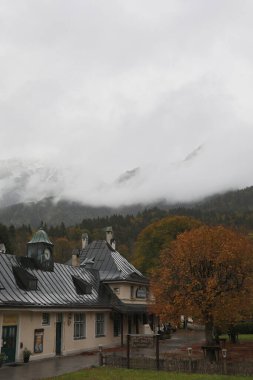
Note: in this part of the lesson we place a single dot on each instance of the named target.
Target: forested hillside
(233, 209)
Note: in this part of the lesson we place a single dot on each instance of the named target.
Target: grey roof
(40, 237)
(111, 264)
(55, 289)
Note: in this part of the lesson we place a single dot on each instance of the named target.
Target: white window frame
(79, 326)
(100, 325)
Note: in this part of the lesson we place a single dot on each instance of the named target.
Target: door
(9, 336)
(136, 323)
(58, 334)
(58, 338)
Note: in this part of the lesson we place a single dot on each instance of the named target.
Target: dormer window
(24, 279)
(82, 287)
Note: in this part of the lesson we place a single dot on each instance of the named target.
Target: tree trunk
(209, 333)
(210, 342)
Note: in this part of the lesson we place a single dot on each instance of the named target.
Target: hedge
(244, 328)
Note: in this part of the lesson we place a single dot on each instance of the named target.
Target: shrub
(244, 328)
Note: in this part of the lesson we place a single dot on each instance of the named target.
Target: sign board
(10, 319)
(38, 340)
(142, 341)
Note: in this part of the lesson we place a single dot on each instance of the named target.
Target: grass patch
(246, 337)
(242, 337)
(130, 374)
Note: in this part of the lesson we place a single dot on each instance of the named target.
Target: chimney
(109, 237)
(85, 240)
(2, 248)
(108, 234)
(113, 244)
(75, 262)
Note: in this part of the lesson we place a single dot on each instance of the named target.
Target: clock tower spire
(40, 249)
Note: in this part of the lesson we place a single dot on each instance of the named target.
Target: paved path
(42, 369)
(182, 339)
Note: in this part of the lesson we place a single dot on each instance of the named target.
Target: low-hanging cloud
(120, 102)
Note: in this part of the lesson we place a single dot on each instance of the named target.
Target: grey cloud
(194, 153)
(128, 175)
(91, 90)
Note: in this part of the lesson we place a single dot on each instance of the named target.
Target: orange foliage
(206, 273)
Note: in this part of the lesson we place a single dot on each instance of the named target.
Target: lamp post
(224, 361)
(189, 350)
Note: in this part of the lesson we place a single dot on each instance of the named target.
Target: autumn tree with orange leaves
(206, 273)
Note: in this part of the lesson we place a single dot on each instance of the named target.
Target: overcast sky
(113, 102)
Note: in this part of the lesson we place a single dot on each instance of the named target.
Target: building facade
(61, 309)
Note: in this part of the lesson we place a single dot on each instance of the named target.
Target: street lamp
(224, 353)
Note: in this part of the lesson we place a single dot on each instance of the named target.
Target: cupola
(40, 249)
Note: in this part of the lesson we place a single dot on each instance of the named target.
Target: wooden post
(157, 352)
(100, 355)
(128, 351)
(122, 329)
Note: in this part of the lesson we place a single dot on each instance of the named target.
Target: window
(132, 292)
(141, 292)
(100, 324)
(79, 326)
(116, 325)
(45, 319)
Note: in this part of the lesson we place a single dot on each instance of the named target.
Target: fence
(201, 366)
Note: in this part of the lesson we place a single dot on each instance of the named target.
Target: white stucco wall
(29, 321)
(124, 293)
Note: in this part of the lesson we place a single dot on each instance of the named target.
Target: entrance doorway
(9, 337)
(58, 334)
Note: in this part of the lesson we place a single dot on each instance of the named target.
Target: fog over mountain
(121, 102)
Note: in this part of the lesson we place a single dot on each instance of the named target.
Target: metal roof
(40, 237)
(54, 289)
(111, 264)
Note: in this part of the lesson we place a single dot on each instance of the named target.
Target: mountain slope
(53, 213)
(71, 213)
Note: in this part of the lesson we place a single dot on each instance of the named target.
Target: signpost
(143, 341)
